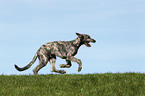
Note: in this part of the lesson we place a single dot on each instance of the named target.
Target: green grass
(127, 84)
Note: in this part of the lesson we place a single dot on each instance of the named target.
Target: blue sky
(117, 25)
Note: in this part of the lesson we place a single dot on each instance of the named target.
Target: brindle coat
(63, 49)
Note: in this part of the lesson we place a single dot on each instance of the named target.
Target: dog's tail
(27, 66)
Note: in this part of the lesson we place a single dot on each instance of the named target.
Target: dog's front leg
(53, 69)
(71, 58)
(68, 65)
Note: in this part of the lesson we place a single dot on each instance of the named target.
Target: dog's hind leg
(68, 65)
(53, 69)
(42, 62)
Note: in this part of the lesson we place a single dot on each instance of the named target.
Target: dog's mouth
(87, 43)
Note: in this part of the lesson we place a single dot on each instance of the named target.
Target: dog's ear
(78, 34)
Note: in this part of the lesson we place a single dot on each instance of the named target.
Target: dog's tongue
(87, 44)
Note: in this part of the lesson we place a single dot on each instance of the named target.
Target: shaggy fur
(63, 49)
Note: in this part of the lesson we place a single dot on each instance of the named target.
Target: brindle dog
(63, 49)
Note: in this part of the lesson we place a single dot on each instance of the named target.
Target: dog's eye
(89, 37)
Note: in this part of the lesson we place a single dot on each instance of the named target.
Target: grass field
(127, 84)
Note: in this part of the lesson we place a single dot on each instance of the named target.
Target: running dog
(63, 49)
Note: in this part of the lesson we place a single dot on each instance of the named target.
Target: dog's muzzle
(93, 41)
(87, 42)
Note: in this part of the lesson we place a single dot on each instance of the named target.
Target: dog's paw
(64, 66)
(79, 69)
(62, 71)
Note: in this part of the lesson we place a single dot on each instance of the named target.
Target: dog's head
(85, 39)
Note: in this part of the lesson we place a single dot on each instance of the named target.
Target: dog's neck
(77, 42)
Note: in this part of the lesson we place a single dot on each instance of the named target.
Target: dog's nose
(94, 41)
